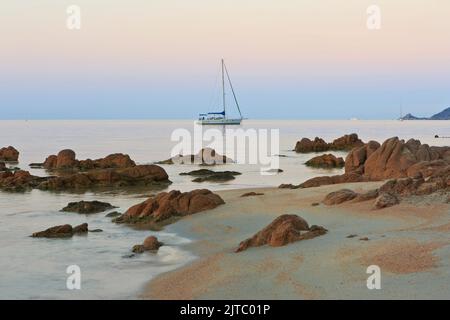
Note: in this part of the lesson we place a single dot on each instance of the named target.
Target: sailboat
(220, 118)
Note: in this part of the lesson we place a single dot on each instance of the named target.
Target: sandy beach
(409, 242)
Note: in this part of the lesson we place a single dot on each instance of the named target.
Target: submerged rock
(326, 161)
(168, 205)
(205, 156)
(113, 214)
(62, 231)
(209, 175)
(251, 194)
(88, 207)
(150, 244)
(283, 230)
(9, 154)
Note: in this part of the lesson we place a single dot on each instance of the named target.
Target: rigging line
(232, 90)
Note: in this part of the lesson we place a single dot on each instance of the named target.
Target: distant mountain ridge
(443, 115)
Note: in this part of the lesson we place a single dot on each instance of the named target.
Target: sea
(33, 268)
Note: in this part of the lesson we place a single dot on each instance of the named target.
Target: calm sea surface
(36, 268)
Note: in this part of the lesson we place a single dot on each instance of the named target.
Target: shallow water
(36, 268)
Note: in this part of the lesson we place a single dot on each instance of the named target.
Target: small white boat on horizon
(220, 118)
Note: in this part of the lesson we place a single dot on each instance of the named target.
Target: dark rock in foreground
(88, 207)
(344, 143)
(166, 206)
(2, 166)
(326, 161)
(283, 230)
(63, 231)
(251, 194)
(150, 244)
(9, 154)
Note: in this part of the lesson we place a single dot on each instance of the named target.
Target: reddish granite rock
(66, 159)
(18, 180)
(283, 230)
(339, 197)
(357, 157)
(9, 154)
(346, 142)
(328, 180)
(326, 161)
(150, 244)
(173, 204)
(305, 145)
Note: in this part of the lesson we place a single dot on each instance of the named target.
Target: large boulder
(326, 161)
(87, 207)
(166, 205)
(283, 230)
(357, 157)
(344, 143)
(66, 159)
(9, 154)
(306, 145)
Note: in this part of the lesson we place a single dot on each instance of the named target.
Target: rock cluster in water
(66, 160)
(344, 143)
(115, 170)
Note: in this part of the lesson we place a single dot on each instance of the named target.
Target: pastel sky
(303, 59)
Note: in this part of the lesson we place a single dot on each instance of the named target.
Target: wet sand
(409, 242)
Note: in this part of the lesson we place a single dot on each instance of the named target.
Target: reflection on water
(35, 268)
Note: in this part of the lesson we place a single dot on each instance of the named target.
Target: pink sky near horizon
(321, 35)
(317, 44)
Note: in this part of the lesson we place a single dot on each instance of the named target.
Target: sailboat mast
(223, 87)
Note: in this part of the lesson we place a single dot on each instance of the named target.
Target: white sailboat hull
(209, 122)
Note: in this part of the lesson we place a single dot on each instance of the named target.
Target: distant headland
(443, 115)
